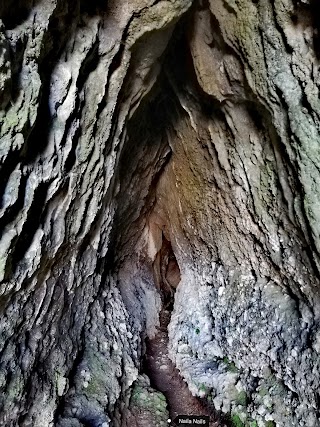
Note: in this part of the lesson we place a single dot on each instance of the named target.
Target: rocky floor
(165, 378)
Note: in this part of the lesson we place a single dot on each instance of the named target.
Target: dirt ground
(165, 378)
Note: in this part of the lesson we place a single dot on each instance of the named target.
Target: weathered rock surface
(148, 145)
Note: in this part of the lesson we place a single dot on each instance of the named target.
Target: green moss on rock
(242, 398)
(236, 421)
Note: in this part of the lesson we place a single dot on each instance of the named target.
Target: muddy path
(165, 377)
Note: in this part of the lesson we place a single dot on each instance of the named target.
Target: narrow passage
(165, 377)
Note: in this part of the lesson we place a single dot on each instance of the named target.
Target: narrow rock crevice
(165, 377)
(159, 212)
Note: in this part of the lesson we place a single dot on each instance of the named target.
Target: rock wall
(71, 75)
(129, 125)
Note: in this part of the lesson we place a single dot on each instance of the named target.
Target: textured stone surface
(71, 73)
(147, 407)
(129, 126)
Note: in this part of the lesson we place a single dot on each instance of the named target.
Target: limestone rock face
(150, 149)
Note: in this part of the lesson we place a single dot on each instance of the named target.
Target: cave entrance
(152, 212)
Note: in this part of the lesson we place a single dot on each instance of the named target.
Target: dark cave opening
(146, 174)
(166, 273)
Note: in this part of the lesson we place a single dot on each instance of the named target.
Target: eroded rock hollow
(159, 155)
